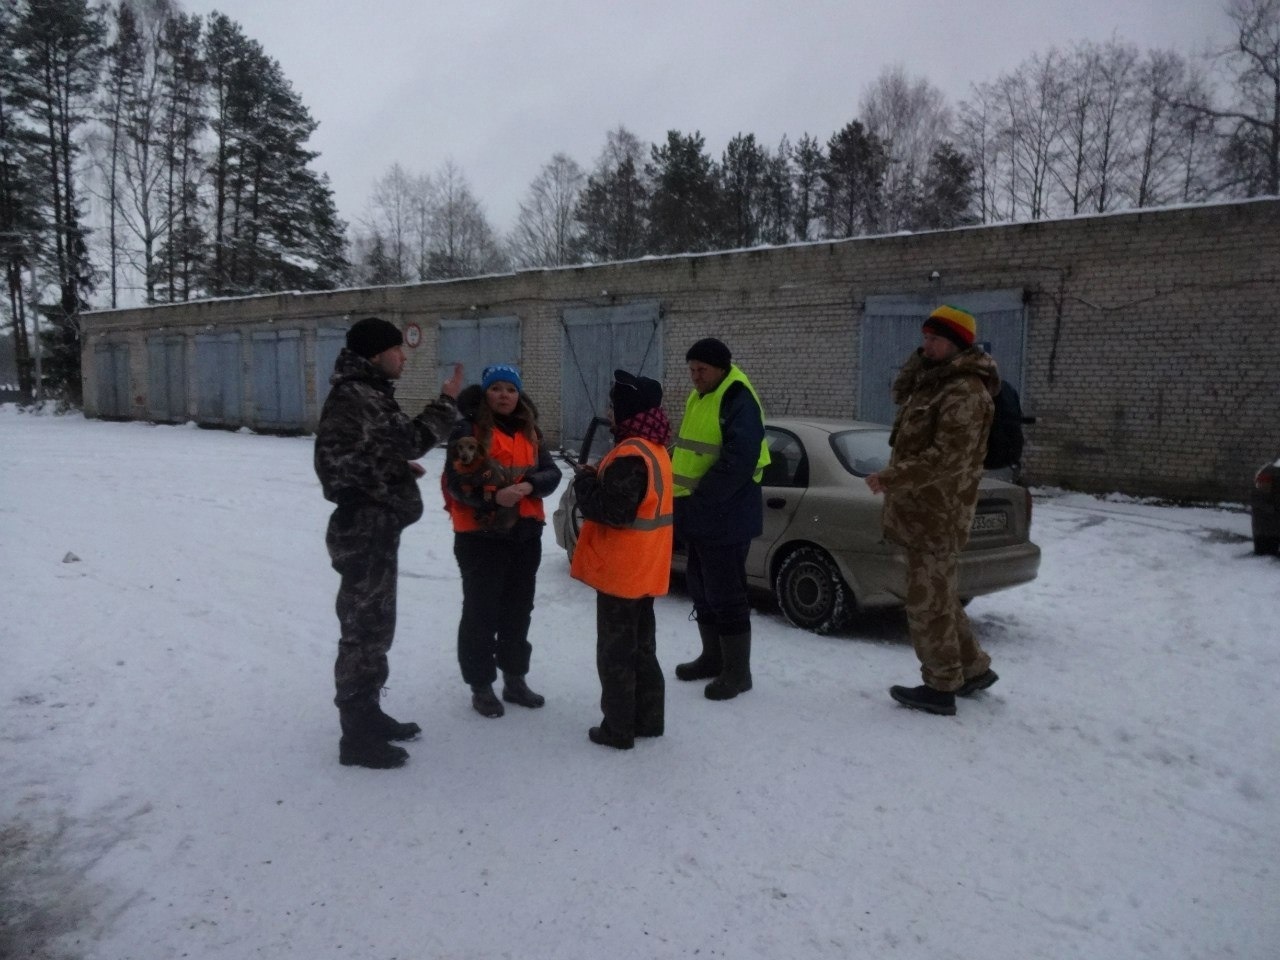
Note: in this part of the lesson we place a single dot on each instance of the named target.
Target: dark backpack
(1004, 442)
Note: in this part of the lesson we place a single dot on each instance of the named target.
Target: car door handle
(776, 503)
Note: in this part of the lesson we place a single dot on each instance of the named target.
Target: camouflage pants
(940, 630)
(364, 544)
(631, 684)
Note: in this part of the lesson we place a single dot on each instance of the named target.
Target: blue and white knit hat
(501, 371)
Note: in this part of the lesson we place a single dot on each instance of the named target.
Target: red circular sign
(412, 335)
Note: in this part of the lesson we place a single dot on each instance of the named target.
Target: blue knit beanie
(501, 371)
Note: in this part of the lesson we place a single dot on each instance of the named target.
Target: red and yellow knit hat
(955, 324)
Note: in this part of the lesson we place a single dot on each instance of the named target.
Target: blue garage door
(597, 341)
(111, 365)
(891, 331)
(277, 380)
(219, 385)
(478, 343)
(166, 379)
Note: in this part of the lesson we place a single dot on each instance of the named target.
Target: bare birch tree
(911, 117)
(462, 241)
(547, 233)
(1032, 97)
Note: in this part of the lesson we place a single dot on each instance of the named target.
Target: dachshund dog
(479, 477)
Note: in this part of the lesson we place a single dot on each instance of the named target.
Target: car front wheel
(811, 592)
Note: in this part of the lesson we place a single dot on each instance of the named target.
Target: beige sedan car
(823, 555)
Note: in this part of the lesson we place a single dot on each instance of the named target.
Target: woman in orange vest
(624, 552)
(497, 538)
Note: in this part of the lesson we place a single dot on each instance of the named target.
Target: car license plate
(989, 522)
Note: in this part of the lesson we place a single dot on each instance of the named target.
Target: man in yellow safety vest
(719, 457)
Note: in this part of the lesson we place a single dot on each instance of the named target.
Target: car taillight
(1262, 482)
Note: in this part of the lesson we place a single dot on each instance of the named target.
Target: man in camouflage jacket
(930, 487)
(365, 448)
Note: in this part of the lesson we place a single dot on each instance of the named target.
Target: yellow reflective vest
(698, 445)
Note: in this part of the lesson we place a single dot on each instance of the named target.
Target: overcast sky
(500, 86)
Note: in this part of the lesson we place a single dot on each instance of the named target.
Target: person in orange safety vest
(498, 560)
(624, 552)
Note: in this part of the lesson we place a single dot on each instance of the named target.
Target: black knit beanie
(370, 336)
(710, 351)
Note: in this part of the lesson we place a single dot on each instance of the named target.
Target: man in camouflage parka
(365, 448)
(930, 487)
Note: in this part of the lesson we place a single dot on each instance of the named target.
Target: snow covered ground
(168, 748)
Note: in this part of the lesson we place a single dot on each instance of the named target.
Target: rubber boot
(485, 702)
(515, 690)
(361, 745)
(709, 662)
(735, 678)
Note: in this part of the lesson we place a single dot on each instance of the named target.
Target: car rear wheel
(811, 592)
(1266, 546)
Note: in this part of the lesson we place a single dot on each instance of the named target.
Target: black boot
(607, 738)
(390, 728)
(735, 678)
(980, 682)
(361, 746)
(515, 690)
(708, 663)
(484, 701)
(941, 702)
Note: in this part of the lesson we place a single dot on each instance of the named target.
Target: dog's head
(466, 451)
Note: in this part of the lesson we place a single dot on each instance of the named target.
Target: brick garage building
(1143, 342)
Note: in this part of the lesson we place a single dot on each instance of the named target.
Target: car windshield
(862, 452)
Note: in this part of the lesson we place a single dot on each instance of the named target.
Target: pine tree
(852, 181)
(613, 207)
(947, 191)
(810, 164)
(23, 198)
(776, 200)
(684, 207)
(59, 44)
(122, 58)
(275, 223)
(183, 84)
(742, 170)
(376, 268)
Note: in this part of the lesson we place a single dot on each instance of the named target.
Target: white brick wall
(1150, 336)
